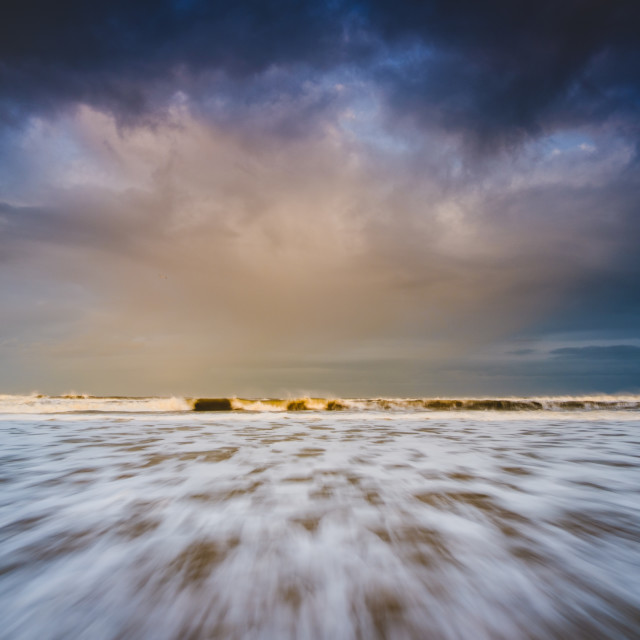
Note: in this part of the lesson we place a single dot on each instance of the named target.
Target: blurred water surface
(340, 525)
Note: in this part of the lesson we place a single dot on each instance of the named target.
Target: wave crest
(76, 403)
(565, 403)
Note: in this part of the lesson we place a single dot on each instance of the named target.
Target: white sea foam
(320, 525)
(37, 403)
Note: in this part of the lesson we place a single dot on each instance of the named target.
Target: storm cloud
(351, 198)
(494, 70)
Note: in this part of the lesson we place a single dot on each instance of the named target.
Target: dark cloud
(496, 71)
(114, 54)
(503, 71)
(611, 352)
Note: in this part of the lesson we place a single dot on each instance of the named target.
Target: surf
(81, 403)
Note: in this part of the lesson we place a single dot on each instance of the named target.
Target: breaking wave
(418, 404)
(37, 403)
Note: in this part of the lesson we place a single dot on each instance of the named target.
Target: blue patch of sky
(362, 117)
(569, 140)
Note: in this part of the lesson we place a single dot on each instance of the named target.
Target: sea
(319, 518)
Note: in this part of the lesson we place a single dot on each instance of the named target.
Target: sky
(268, 198)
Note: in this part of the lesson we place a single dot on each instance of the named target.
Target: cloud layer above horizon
(350, 198)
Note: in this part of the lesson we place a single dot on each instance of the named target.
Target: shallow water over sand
(320, 525)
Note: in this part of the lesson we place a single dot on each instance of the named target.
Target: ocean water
(141, 518)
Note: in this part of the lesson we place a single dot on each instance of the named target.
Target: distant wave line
(79, 403)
